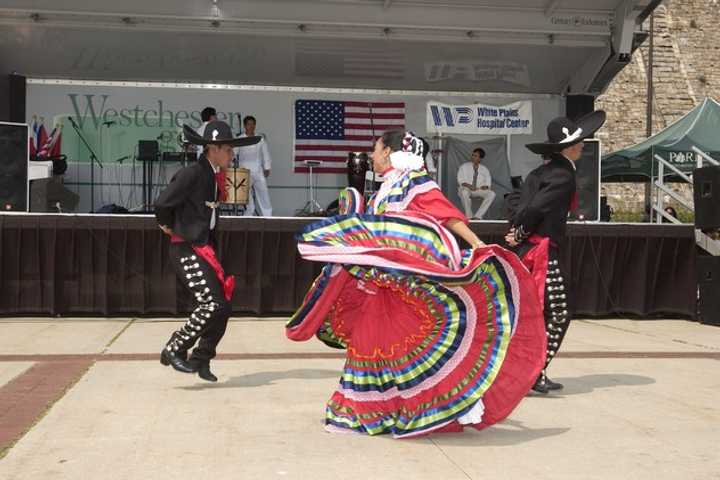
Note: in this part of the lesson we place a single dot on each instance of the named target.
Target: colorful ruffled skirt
(437, 338)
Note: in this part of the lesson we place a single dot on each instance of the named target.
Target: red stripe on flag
(302, 158)
(389, 116)
(376, 126)
(334, 148)
(366, 138)
(375, 104)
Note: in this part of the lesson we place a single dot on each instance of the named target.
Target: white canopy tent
(514, 46)
(259, 56)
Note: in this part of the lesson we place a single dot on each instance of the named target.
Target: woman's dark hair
(393, 139)
(206, 113)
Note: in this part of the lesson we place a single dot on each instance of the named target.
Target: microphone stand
(372, 142)
(93, 160)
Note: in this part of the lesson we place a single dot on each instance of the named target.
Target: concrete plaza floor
(84, 398)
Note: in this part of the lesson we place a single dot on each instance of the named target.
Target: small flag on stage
(52, 146)
(327, 131)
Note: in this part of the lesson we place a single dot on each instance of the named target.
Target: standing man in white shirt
(256, 158)
(474, 181)
(207, 115)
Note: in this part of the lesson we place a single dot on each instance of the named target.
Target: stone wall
(686, 70)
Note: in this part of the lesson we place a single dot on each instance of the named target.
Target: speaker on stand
(587, 178)
(17, 90)
(148, 152)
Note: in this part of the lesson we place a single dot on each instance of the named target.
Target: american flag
(38, 138)
(328, 130)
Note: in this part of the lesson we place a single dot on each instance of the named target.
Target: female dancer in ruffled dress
(437, 338)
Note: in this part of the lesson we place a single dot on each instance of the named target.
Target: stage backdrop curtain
(118, 266)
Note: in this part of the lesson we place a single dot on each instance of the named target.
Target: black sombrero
(217, 132)
(563, 133)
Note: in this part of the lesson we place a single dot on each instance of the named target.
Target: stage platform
(115, 265)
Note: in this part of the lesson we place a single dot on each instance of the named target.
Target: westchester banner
(480, 119)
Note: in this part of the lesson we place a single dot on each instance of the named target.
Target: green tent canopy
(699, 127)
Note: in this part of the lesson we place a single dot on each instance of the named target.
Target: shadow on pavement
(259, 379)
(588, 383)
(506, 433)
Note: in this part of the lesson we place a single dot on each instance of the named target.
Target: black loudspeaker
(16, 101)
(606, 210)
(4, 98)
(50, 195)
(13, 167)
(706, 192)
(577, 106)
(148, 150)
(587, 179)
(708, 270)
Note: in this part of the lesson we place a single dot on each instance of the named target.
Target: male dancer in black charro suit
(187, 212)
(538, 225)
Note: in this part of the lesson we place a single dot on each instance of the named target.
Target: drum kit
(359, 171)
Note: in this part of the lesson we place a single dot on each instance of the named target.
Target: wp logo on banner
(515, 118)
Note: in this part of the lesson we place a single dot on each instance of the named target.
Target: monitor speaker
(51, 195)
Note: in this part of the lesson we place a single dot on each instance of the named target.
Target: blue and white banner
(480, 119)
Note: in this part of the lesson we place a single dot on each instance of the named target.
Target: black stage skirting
(118, 265)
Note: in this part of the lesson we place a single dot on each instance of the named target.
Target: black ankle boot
(553, 385)
(540, 385)
(177, 361)
(203, 369)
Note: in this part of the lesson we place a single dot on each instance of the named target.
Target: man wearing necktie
(538, 225)
(474, 181)
(256, 158)
(187, 212)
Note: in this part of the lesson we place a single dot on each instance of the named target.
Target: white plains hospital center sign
(480, 119)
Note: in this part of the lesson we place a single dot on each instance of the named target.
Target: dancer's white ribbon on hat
(406, 161)
(570, 138)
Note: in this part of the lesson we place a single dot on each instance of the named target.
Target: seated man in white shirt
(474, 181)
(256, 158)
